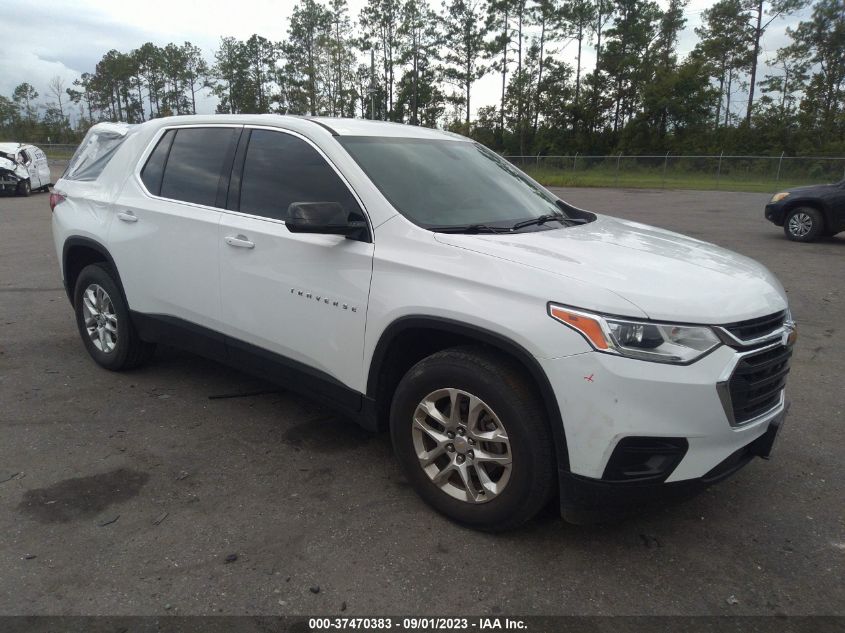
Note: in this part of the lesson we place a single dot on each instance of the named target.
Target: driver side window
(280, 169)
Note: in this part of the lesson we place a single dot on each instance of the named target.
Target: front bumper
(774, 213)
(584, 500)
(8, 183)
(607, 400)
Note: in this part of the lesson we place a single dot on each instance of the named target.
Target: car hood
(811, 189)
(667, 275)
(12, 166)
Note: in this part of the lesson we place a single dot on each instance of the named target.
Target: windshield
(444, 183)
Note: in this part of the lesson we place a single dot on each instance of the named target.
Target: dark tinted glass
(154, 169)
(448, 183)
(196, 159)
(281, 169)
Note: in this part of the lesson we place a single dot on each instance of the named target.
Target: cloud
(35, 45)
(39, 40)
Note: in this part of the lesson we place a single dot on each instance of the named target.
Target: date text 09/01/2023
(417, 623)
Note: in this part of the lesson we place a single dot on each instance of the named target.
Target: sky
(41, 39)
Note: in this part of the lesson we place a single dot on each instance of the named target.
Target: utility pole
(372, 89)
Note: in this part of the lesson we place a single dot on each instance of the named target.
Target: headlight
(658, 342)
(791, 328)
(779, 196)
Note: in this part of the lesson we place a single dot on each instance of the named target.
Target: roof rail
(313, 120)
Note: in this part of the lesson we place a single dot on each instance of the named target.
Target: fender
(812, 201)
(482, 335)
(816, 203)
(94, 245)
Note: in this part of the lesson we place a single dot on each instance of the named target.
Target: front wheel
(804, 224)
(103, 320)
(471, 435)
(24, 188)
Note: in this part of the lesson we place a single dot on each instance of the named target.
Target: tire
(804, 224)
(506, 401)
(113, 342)
(24, 189)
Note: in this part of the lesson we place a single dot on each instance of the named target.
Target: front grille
(755, 328)
(757, 382)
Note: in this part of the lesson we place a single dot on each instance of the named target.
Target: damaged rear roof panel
(98, 147)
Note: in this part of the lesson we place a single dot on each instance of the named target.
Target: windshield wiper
(547, 217)
(470, 229)
(486, 228)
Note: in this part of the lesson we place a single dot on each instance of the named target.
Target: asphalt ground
(128, 493)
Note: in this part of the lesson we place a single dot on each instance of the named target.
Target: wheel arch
(813, 203)
(409, 339)
(79, 252)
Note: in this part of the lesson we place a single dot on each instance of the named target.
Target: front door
(838, 204)
(292, 299)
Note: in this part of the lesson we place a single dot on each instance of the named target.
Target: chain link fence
(664, 171)
(731, 173)
(57, 153)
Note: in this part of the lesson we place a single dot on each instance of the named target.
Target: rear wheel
(103, 321)
(804, 224)
(24, 188)
(471, 435)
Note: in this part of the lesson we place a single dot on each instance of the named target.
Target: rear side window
(195, 163)
(280, 169)
(154, 169)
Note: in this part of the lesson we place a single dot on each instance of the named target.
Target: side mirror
(327, 218)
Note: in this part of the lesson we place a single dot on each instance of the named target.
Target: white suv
(519, 349)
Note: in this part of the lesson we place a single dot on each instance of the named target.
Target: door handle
(239, 241)
(127, 216)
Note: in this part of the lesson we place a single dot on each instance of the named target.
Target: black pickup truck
(808, 213)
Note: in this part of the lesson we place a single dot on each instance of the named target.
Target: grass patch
(654, 179)
(59, 153)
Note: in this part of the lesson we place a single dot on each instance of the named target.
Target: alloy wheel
(800, 224)
(462, 445)
(100, 318)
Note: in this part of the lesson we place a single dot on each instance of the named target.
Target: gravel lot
(126, 493)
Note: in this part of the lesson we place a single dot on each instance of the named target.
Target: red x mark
(589, 378)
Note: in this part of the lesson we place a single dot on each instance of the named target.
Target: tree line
(405, 61)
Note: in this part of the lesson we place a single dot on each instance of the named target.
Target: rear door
(164, 239)
(302, 298)
(42, 166)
